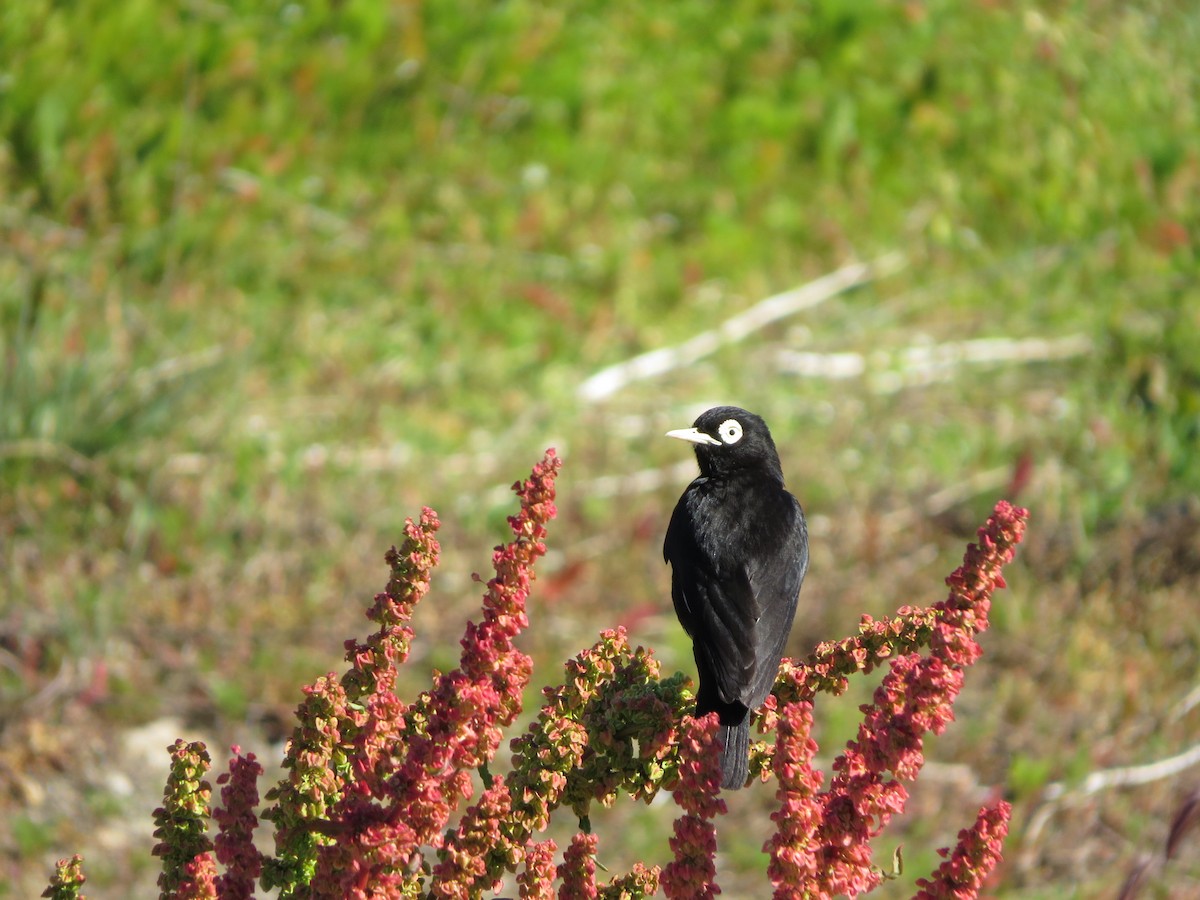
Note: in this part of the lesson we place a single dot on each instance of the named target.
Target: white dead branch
(649, 365)
(1058, 794)
(890, 371)
(1127, 776)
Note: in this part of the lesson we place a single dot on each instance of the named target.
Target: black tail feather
(734, 735)
(735, 755)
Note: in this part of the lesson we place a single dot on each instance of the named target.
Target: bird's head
(727, 439)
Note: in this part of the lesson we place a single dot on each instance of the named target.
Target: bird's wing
(682, 550)
(776, 581)
(728, 616)
(714, 600)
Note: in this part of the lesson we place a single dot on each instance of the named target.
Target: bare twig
(1127, 776)
(1186, 705)
(608, 381)
(1137, 877)
(1059, 794)
(917, 366)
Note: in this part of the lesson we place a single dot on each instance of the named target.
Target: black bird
(738, 549)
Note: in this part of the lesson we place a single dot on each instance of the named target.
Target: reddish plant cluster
(234, 843)
(799, 817)
(67, 879)
(949, 625)
(979, 849)
(410, 766)
(578, 869)
(825, 837)
(608, 727)
(188, 867)
(373, 782)
(693, 871)
(536, 881)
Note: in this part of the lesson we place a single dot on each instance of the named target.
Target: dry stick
(921, 365)
(1186, 705)
(1125, 776)
(1058, 794)
(608, 381)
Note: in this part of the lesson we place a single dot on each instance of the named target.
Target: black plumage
(738, 549)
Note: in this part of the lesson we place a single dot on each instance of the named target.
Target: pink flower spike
(199, 880)
(793, 848)
(693, 871)
(68, 878)
(412, 765)
(966, 869)
(578, 869)
(236, 821)
(537, 881)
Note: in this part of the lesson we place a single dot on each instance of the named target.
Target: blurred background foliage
(273, 275)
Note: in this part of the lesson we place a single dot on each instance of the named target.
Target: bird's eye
(730, 431)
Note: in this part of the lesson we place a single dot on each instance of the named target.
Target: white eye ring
(730, 431)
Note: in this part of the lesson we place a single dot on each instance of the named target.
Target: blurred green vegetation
(273, 274)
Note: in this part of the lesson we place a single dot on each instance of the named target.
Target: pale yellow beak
(693, 436)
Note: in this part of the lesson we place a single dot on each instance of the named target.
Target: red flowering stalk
(641, 881)
(481, 848)
(536, 882)
(607, 727)
(459, 723)
(412, 570)
(693, 871)
(182, 820)
(956, 619)
(234, 844)
(794, 857)
(915, 698)
(578, 869)
(412, 766)
(322, 752)
(67, 879)
(965, 870)
(199, 880)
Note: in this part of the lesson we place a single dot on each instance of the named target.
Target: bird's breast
(738, 519)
